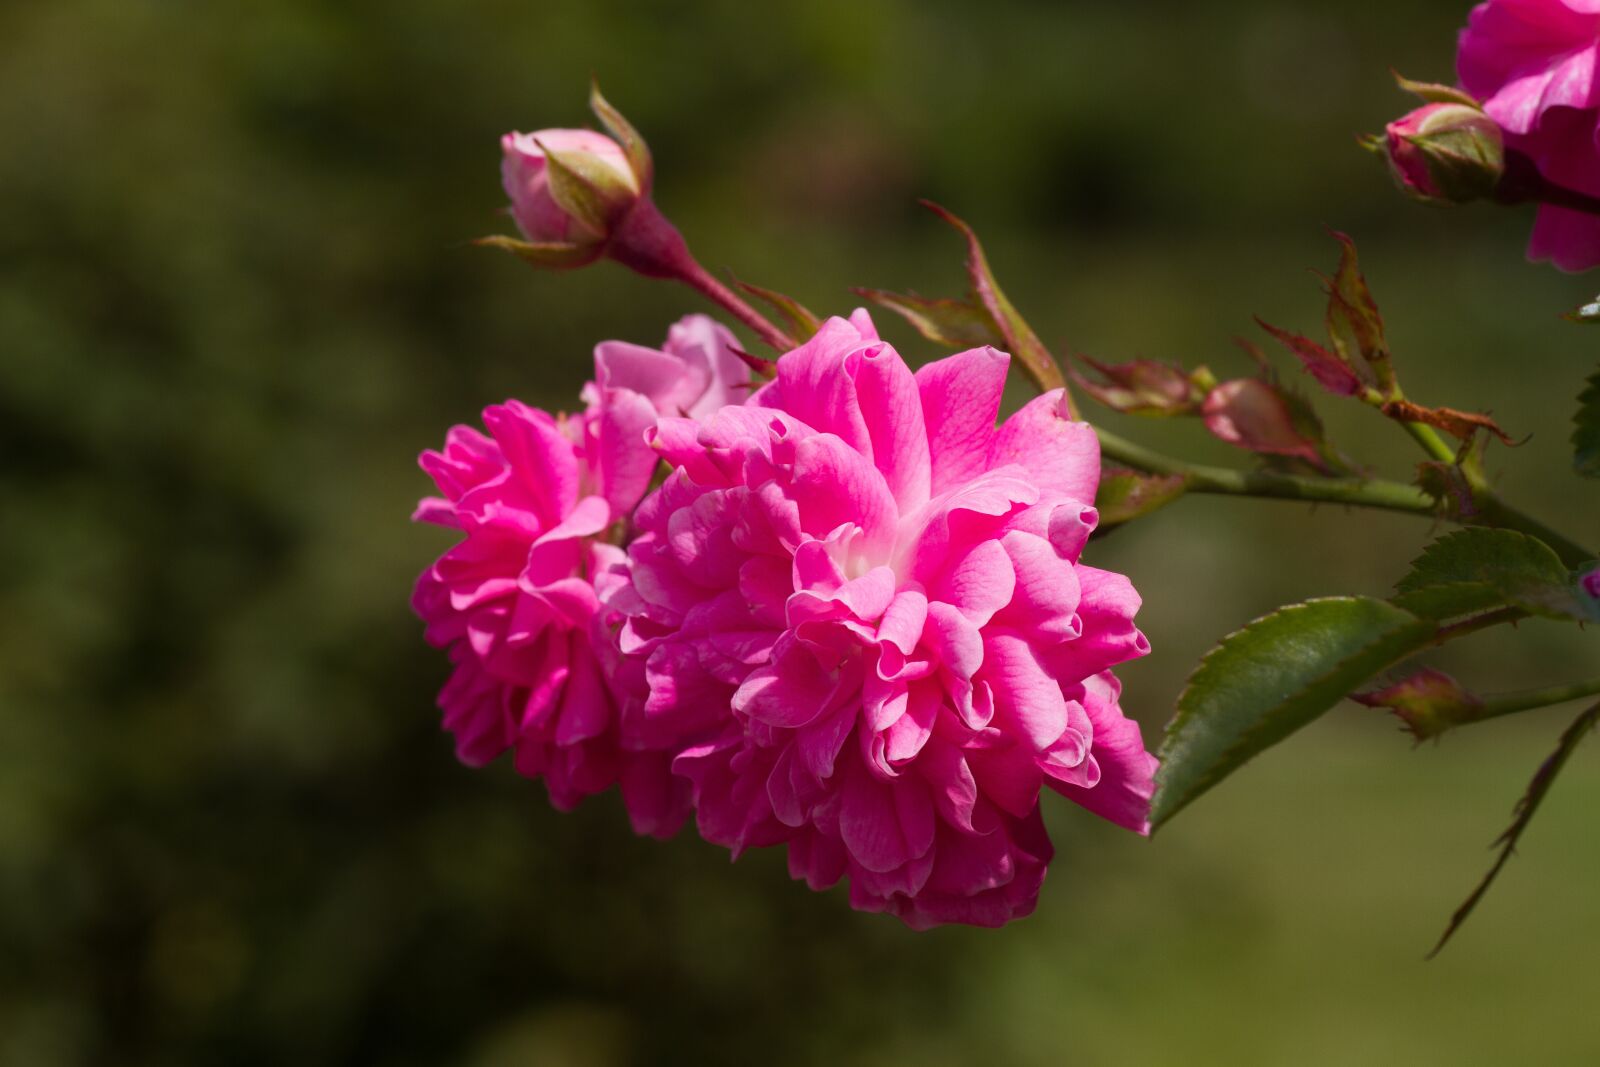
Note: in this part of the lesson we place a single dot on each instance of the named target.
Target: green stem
(702, 280)
(1512, 703)
(1389, 496)
(1356, 492)
(1473, 625)
(1434, 445)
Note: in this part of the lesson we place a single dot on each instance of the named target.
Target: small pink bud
(1591, 583)
(1445, 152)
(1249, 413)
(599, 186)
(1428, 702)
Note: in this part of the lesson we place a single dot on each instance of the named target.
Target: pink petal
(835, 484)
(892, 408)
(961, 402)
(1127, 771)
(1057, 451)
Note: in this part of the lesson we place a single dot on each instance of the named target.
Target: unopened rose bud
(1446, 152)
(1249, 413)
(1428, 702)
(593, 188)
(1591, 583)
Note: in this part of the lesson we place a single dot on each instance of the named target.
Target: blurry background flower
(236, 299)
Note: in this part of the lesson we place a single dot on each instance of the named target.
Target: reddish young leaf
(1331, 372)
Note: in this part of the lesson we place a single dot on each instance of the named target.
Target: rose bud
(1428, 702)
(1445, 152)
(1249, 413)
(1591, 583)
(575, 215)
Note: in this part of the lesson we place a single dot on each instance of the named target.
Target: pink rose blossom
(1532, 62)
(885, 589)
(696, 372)
(515, 600)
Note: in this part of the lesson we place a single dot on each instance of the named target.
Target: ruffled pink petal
(961, 403)
(1127, 772)
(1059, 452)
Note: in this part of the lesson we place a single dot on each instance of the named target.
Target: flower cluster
(851, 618)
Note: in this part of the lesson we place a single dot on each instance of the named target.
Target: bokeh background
(236, 300)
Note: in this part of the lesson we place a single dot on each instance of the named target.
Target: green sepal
(633, 146)
(1434, 92)
(954, 323)
(551, 254)
(803, 322)
(589, 191)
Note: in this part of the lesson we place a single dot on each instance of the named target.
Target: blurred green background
(236, 300)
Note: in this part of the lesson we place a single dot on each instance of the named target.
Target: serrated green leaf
(1124, 496)
(956, 323)
(1264, 682)
(1479, 568)
(1586, 430)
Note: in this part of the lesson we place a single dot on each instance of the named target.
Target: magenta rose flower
(515, 601)
(1532, 63)
(694, 373)
(885, 589)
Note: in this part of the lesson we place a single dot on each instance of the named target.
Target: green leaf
(956, 323)
(1478, 568)
(1124, 495)
(803, 322)
(1523, 814)
(1586, 430)
(1264, 682)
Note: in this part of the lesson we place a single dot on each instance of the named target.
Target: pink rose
(515, 601)
(885, 589)
(694, 373)
(525, 172)
(1532, 63)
